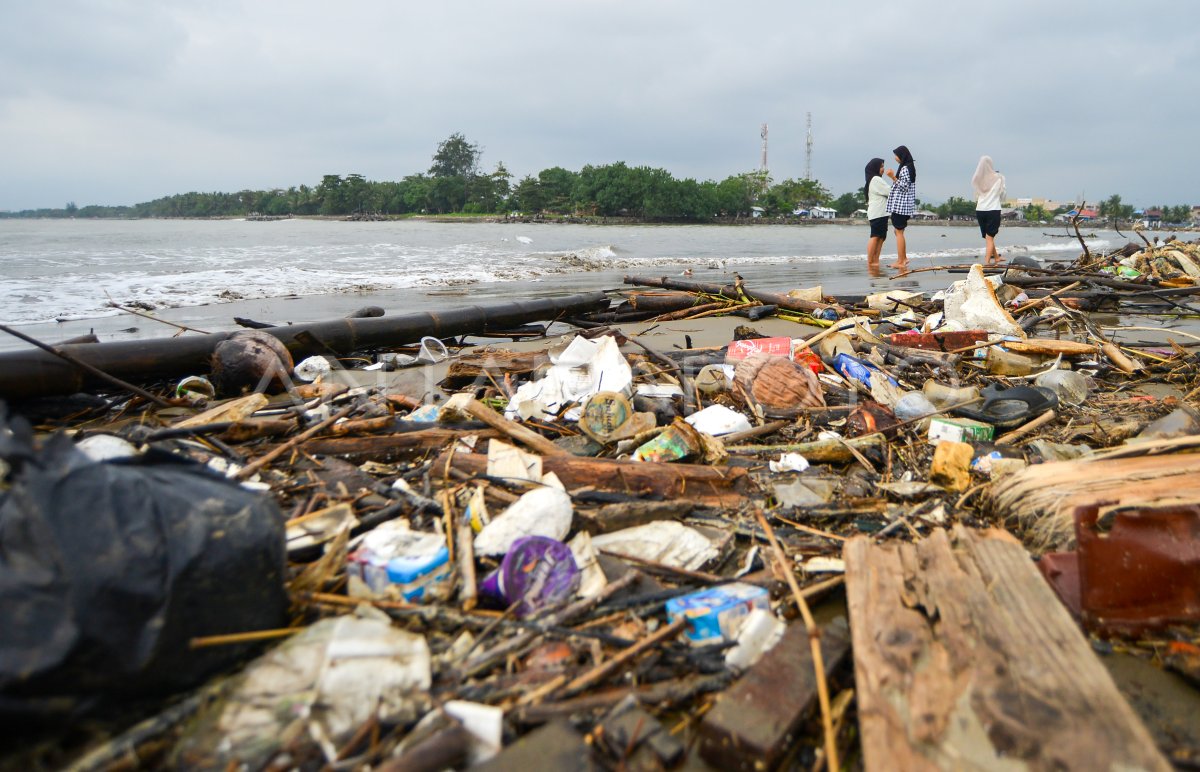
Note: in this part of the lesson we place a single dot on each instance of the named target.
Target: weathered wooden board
(964, 659)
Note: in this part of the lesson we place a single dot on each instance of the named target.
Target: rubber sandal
(1006, 408)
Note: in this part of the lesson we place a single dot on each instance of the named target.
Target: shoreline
(612, 221)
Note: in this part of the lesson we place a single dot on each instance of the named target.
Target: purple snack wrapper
(535, 573)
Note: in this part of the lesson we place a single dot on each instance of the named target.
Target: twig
(87, 368)
(605, 669)
(814, 640)
(250, 637)
(119, 307)
(263, 460)
(1021, 431)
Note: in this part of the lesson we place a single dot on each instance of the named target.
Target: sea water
(59, 271)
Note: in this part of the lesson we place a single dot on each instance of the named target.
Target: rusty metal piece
(1134, 569)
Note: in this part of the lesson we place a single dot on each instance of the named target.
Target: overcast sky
(116, 102)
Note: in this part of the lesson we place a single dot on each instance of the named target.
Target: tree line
(456, 184)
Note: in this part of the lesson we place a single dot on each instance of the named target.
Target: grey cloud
(168, 97)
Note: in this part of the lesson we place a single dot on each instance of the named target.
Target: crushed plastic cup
(676, 442)
(1070, 386)
(196, 389)
(536, 573)
(913, 405)
(712, 380)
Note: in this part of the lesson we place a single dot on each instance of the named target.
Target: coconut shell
(777, 385)
(250, 360)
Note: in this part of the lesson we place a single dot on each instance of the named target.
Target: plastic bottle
(914, 404)
(943, 396)
(1001, 362)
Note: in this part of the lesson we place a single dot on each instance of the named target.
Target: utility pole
(808, 151)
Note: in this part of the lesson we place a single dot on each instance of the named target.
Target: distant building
(924, 214)
(859, 213)
(822, 213)
(1011, 213)
(1151, 218)
(757, 211)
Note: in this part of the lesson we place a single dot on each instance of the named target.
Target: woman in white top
(876, 192)
(989, 192)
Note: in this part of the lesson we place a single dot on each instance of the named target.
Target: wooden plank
(754, 721)
(964, 659)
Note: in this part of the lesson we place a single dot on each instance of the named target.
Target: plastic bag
(109, 569)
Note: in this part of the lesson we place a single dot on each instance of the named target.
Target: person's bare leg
(874, 249)
(992, 256)
(901, 250)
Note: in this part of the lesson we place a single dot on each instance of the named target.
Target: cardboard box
(740, 349)
(714, 615)
(959, 430)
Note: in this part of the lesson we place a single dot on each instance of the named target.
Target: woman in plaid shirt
(902, 201)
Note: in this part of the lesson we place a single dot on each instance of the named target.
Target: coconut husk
(250, 360)
(776, 386)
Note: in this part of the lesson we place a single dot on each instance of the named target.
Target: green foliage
(847, 203)
(955, 206)
(1036, 213)
(1177, 214)
(455, 157)
(1114, 210)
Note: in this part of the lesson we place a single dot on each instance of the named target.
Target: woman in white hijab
(989, 192)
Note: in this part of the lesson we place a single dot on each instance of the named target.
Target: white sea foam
(68, 270)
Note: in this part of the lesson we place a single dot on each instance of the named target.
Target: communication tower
(808, 151)
(763, 134)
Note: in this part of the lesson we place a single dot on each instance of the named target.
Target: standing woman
(989, 192)
(902, 200)
(876, 193)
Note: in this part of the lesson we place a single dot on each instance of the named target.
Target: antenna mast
(808, 151)
(763, 134)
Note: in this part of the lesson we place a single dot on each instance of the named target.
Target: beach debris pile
(600, 545)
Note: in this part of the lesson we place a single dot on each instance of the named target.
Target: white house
(822, 213)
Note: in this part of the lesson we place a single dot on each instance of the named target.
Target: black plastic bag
(108, 569)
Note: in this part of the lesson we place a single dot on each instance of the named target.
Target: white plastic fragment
(759, 633)
(509, 461)
(973, 303)
(312, 368)
(717, 419)
(545, 511)
(582, 369)
(591, 576)
(663, 541)
(825, 565)
(485, 724)
(789, 462)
